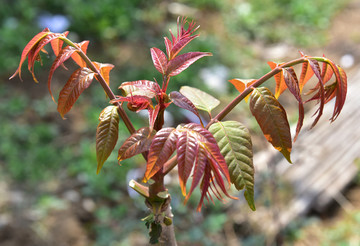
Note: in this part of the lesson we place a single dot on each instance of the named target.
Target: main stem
(168, 234)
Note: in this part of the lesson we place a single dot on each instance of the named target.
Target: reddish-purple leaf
(293, 85)
(78, 82)
(137, 143)
(183, 102)
(187, 149)
(161, 149)
(317, 71)
(204, 186)
(28, 48)
(272, 119)
(181, 62)
(140, 87)
(212, 149)
(183, 37)
(168, 46)
(181, 44)
(159, 59)
(201, 162)
(106, 134)
(341, 90)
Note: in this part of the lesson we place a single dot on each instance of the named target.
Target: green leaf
(200, 99)
(235, 145)
(272, 119)
(106, 134)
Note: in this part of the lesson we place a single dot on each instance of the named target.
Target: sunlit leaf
(106, 135)
(137, 143)
(57, 44)
(104, 69)
(235, 145)
(40, 46)
(199, 98)
(272, 119)
(183, 102)
(29, 47)
(159, 59)
(181, 62)
(76, 57)
(306, 75)
(242, 84)
(78, 82)
(140, 87)
(279, 80)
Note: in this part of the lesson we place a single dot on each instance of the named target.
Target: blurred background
(49, 191)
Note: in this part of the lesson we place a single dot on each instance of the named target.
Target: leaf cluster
(213, 154)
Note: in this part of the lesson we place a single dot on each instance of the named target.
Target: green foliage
(267, 20)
